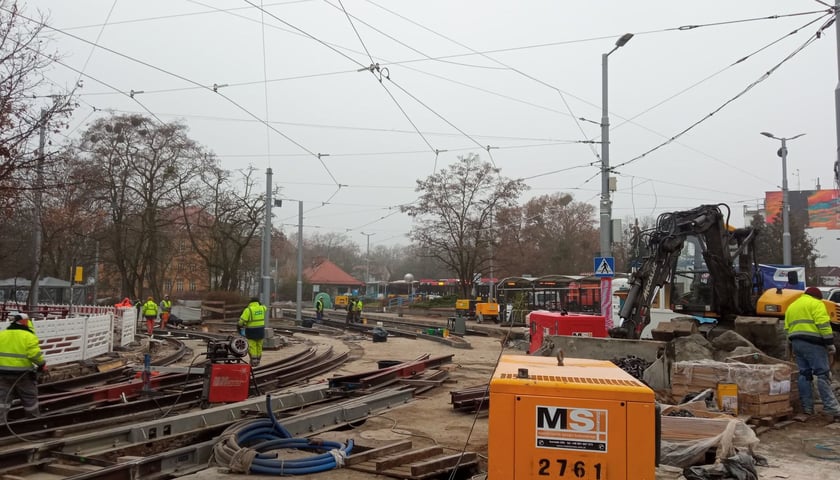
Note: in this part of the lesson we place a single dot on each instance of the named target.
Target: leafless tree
(452, 217)
(549, 234)
(28, 103)
(222, 218)
(142, 166)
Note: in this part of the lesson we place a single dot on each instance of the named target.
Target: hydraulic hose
(249, 447)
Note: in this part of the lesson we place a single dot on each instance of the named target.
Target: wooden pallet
(400, 460)
(772, 420)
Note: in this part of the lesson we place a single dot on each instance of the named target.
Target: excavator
(712, 273)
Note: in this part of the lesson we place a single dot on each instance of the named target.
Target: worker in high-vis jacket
(150, 313)
(165, 311)
(808, 327)
(20, 359)
(252, 327)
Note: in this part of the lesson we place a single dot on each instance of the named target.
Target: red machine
(229, 382)
(543, 323)
(226, 378)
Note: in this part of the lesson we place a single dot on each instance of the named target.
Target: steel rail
(160, 402)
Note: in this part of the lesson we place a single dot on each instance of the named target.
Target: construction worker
(319, 309)
(809, 331)
(20, 358)
(165, 311)
(150, 313)
(351, 304)
(252, 327)
(357, 311)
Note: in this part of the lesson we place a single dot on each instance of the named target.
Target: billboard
(816, 208)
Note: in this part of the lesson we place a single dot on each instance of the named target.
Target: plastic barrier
(73, 339)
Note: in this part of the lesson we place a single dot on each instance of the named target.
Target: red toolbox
(543, 323)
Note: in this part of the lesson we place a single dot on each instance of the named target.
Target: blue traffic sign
(604, 266)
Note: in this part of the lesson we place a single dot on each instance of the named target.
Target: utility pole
(38, 234)
(367, 259)
(786, 243)
(96, 273)
(265, 258)
(298, 316)
(606, 203)
(837, 94)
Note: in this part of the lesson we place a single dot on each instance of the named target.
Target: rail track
(407, 329)
(170, 446)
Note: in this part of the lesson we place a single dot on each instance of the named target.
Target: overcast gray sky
(511, 75)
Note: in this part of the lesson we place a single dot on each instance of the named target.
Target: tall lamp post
(786, 247)
(367, 259)
(606, 204)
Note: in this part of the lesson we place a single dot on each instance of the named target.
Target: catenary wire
(177, 15)
(749, 87)
(181, 77)
(571, 114)
(561, 92)
(678, 28)
(98, 37)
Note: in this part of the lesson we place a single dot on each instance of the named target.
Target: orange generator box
(543, 323)
(584, 419)
(228, 382)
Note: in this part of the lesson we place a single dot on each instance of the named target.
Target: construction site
(434, 398)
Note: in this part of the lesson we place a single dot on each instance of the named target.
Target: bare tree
(221, 222)
(23, 110)
(452, 217)
(337, 248)
(548, 234)
(142, 166)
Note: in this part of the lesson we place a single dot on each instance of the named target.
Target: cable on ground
(250, 446)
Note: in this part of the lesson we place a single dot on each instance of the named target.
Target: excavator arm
(732, 289)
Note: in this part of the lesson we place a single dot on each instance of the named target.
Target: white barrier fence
(77, 338)
(125, 325)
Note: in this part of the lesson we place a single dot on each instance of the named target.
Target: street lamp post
(606, 203)
(367, 258)
(786, 246)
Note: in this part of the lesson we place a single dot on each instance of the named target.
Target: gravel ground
(430, 420)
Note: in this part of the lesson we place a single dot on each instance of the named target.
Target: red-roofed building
(330, 278)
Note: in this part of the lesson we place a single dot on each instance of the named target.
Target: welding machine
(570, 419)
(227, 377)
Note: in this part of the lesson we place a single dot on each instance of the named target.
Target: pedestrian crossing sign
(604, 266)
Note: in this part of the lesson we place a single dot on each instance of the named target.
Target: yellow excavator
(478, 309)
(712, 272)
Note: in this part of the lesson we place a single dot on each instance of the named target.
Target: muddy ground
(796, 451)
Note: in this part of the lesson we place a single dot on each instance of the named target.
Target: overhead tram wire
(749, 87)
(181, 77)
(178, 15)
(680, 28)
(446, 57)
(737, 62)
(709, 77)
(706, 154)
(379, 74)
(568, 107)
(98, 36)
(131, 95)
(355, 128)
(374, 69)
